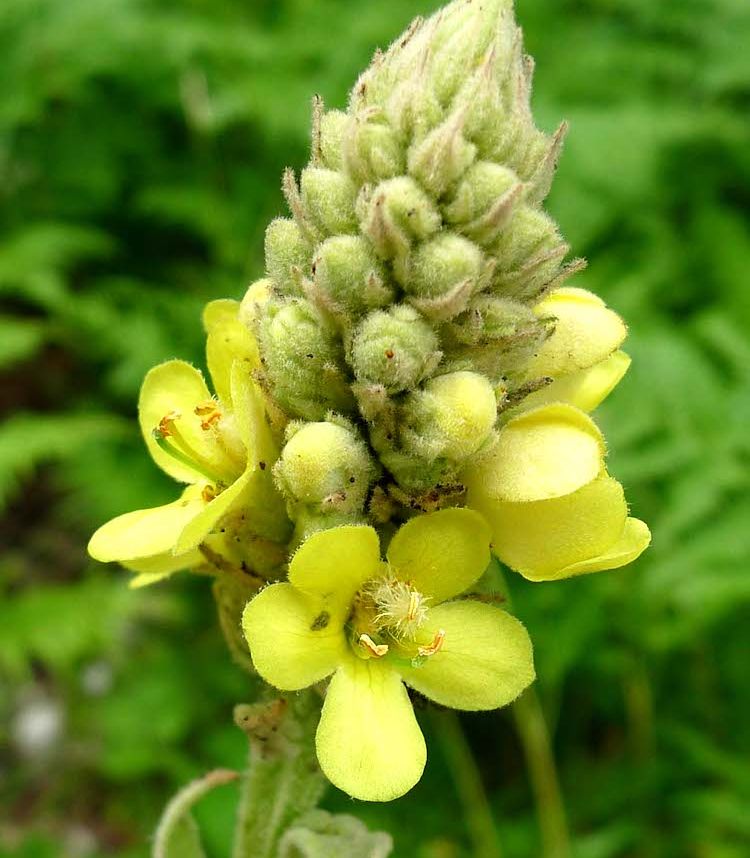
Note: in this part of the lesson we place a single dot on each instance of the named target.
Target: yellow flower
(375, 625)
(220, 446)
(582, 355)
(553, 509)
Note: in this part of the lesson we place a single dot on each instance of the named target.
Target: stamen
(435, 646)
(209, 493)
(375, 650)
(414, 600)
(211, 412)
(179, 449)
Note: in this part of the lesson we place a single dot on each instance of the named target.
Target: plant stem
(540, 763)
(468, 782)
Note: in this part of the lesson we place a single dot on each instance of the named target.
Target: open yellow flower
(220, 446)
(375, 625)
(553, 509)
(582, 355)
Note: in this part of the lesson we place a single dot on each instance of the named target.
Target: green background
(141, 148)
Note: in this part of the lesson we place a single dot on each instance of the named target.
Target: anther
(435, 646)
(375, 650)
(208, 494)
(166, 424)
(414, 600)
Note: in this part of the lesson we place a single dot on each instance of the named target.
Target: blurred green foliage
(141, 145)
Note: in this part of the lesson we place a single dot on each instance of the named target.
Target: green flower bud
(288, 255)
(495, 336)
(441, 275)
(484, 201)
(529, 252)
(348, 276)
(443, 156)
(395, 348)
(451, 418)
(325, 466)
(328, 200)
(333, 126)
(372, 149)
(303, 361)
(396, 214)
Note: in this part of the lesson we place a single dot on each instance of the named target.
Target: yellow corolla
(582, 356)
(553, 509)
(220, 446)
(375, 625)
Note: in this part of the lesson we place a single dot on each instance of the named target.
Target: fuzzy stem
(468, 784)
(282, 780)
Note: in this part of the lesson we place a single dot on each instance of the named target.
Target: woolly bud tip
(396, 348)
(325, 465)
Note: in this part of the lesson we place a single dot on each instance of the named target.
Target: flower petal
(331, 565)
(586, 332)
(443, 553)
(145, 533)
(586, 388)
(544, 453)
(634, 540)
(368, 742)
(542, 539)
(485, 662)
(175, 386)
(291, 646)
(153, 569)
(250, 415)
(228, 340)
(204, 522)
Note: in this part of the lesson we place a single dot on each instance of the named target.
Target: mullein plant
(404, 394)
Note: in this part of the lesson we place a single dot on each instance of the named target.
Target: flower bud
(333, 125)
(349, 277)
(328, 200)
(286, 250)
(451, 417)
(395, 348)
(529, 252)
(326, 466)
(397, 214)
(441, 275)
(373, 151)
(484, 201)
(443, 156)
(303, 361)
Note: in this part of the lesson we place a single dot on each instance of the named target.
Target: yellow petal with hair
(209, 517)
(543, 539)
(441, 554)
(227, 341)
(154, 569)
(331, 565)
(544, 453)
(586, 388)
(586, 332)
(369, 743)
(145, 533)
(634, 540)
(176, 387)
(293, 642)
(485, 661)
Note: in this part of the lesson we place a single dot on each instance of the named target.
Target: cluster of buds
(412, 370)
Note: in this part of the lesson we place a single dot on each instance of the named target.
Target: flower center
(388, 616)
(227, 460)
